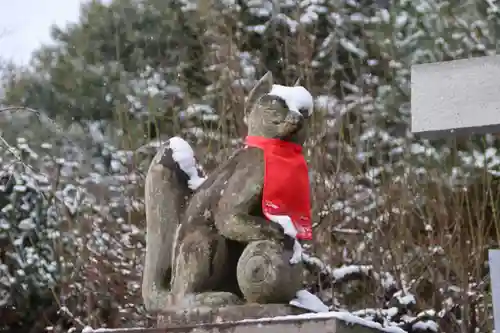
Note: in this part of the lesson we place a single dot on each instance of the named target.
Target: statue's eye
(278, 103)
(304, 112)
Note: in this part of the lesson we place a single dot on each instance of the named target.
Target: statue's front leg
(265, 275)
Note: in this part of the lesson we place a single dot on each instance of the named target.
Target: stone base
(225, 314)
(228, 319)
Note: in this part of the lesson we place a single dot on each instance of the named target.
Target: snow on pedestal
(329, 322)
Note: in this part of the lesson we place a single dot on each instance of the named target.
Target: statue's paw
(217, 299)
(199, 308)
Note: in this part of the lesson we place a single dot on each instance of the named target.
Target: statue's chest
(203, 205)
(199, 208)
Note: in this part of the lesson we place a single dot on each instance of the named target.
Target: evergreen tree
(136, 69)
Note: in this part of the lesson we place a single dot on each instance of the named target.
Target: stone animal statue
(208, 242)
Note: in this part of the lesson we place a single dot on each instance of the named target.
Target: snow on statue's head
(279, 112)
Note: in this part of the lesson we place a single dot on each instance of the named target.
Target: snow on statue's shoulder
(296, 97)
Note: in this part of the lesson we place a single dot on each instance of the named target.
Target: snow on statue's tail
(183, 155)
(172, 178)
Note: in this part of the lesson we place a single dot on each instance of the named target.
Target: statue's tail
(172, 178)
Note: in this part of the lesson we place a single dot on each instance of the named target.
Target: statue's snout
(293, 122)
(294, 118)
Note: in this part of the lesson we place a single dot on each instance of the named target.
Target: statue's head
(279, 112)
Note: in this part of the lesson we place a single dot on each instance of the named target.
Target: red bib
(286, 182)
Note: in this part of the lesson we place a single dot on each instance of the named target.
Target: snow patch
(183, 154)
(296, 97)
(88, 329)
(428, 325)
(305, 300)
(341, 315)
(340, 273)
(405, 299)
(285, 222)
(289, 229)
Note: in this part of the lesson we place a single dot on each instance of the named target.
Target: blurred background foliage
(407, 222)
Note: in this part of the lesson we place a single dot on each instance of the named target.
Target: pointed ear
(297, 83)
(262, 87)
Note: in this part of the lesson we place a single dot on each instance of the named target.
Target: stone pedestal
(225, 314)
(256, 318)
(265, 275)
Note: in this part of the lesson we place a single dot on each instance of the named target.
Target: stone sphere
(265, 275)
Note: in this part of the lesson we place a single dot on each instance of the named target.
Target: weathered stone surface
(226, 314)
(196, 234)
(297, 324)
(264, 273)
(259, 318)
(330, 325)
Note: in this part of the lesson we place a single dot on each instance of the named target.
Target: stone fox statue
(209, 241)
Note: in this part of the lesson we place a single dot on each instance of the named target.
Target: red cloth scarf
(286, 182)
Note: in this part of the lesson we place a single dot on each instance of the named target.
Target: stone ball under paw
(265, 275)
